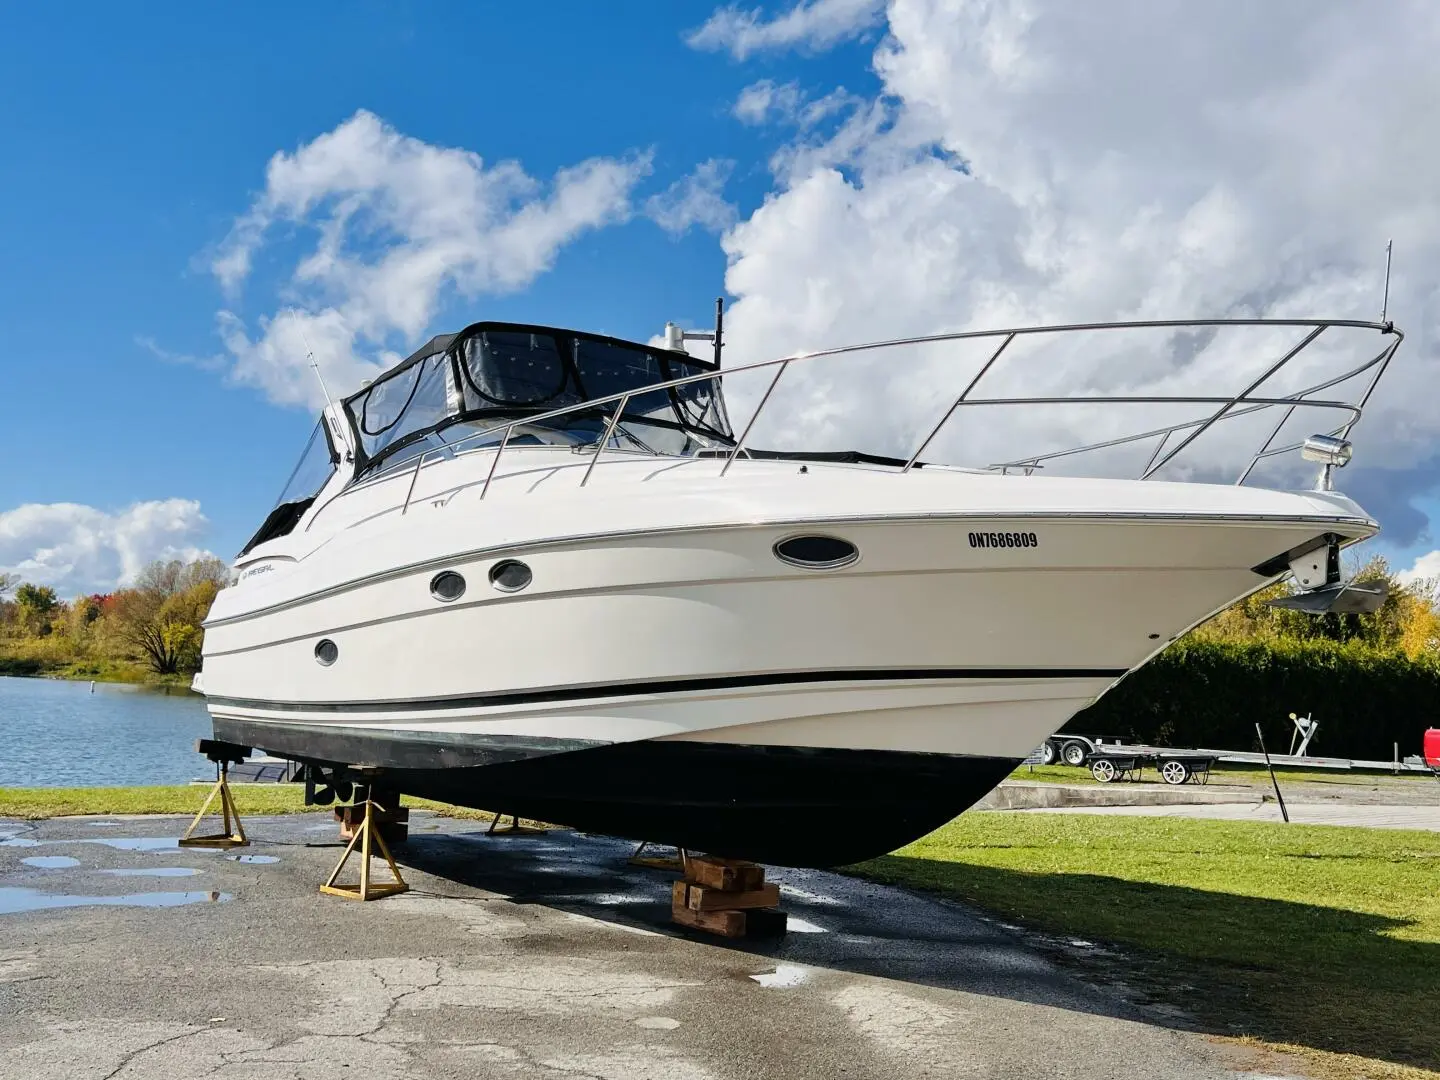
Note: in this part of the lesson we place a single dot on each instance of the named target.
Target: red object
(1432, 748)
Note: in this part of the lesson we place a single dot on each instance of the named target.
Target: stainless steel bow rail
(1226, 408)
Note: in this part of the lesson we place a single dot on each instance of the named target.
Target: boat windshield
(314, 470)
(494, 374)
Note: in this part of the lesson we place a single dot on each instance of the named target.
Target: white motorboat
(532, 570)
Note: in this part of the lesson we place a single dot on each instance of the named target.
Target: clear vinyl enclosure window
(498, 374)
(312, 471)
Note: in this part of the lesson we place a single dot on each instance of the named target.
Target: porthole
(817, 552)
(447, 585)
(326, 652)
(510, 575)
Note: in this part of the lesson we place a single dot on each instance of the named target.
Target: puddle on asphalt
(119, 843)
(105, 824)
(806, 895)
(14, 901)
(658, 1023)
(613, 899)
(154, 871)
(783, 977)
(51, 862)
(803, 926)
(253, 858)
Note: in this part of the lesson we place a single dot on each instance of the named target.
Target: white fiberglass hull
(681, 636)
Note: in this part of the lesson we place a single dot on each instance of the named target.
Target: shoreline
(103, 672)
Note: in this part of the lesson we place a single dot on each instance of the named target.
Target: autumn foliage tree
(161, 615)
(1407, 621)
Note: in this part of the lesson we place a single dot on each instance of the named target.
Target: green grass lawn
(34, 803)
(1319, 937)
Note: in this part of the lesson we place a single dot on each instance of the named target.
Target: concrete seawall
(1035, 795)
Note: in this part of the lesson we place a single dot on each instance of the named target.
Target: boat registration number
(1003, 540)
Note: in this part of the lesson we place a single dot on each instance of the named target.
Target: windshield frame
(454, 347)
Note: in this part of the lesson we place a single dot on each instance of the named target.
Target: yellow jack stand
(680, 861)
(515, 828)
(231, 836)
(367, 889)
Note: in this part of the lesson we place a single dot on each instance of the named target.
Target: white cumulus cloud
(768, 101)
(811, 25)
(395, 224)
(77, 548)
(1037, 161)
(1425, 569)
(760, 101)
(696, 199)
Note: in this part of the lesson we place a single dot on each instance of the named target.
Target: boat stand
(679, 861)
(232, 833)
(513, 829)
(366, 835)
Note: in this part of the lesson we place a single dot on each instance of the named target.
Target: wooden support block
(765, 922)
(393, 834)
(351, 816)
(728, 924)
(702, 898)
(392, 824)
(730, 875)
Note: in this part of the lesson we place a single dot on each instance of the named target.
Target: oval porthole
(326, 652)
(447, 586)
(817, 552)
(510, 575)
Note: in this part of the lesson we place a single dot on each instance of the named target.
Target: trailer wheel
(1174, 772)
(1073, 753)
(1047, 753)
(1103, 769)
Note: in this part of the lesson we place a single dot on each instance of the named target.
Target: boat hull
(683, 684)
(792, 806)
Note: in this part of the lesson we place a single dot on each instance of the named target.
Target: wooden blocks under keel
(728, 897)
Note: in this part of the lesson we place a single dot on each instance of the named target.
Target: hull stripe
(670, 686)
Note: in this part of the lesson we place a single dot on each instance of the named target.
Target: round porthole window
(510, 575)
(447, 586)
(326, 652)
(817, 552)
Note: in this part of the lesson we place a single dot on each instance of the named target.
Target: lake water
(56, 733)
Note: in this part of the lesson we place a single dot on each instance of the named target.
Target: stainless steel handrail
(1231, 407)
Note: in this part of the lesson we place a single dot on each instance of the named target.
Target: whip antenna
(1385, 302)
(310, 355)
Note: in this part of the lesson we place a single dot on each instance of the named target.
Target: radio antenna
(310, 355)
(1385, 302)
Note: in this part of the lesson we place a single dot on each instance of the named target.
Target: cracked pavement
(542, 957)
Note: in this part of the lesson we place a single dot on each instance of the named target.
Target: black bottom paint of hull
(791, 806)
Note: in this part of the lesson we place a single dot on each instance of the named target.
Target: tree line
(149, 628)
(1371, 681)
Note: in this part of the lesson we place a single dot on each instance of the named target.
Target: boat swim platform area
(530, 955)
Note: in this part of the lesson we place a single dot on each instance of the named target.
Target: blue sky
(136, 137)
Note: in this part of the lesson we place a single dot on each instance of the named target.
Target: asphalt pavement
(123, 956)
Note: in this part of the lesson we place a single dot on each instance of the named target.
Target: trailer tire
(1048, 753)
(1174, 772)
(1073, 753)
